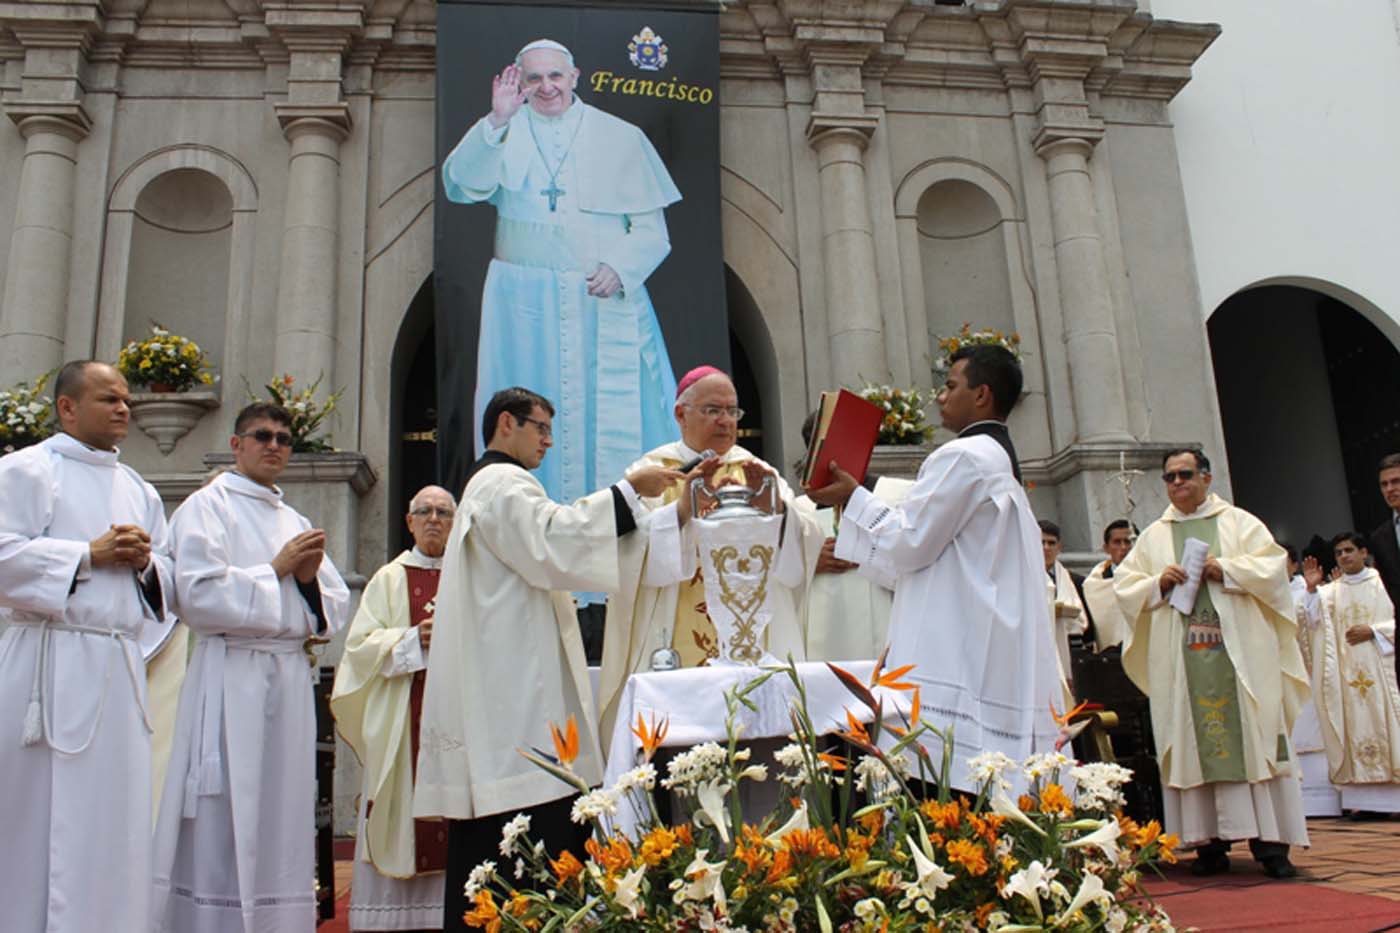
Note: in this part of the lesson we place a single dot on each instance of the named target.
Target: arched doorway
(754, 370)
(1308, 391)
(413, 456)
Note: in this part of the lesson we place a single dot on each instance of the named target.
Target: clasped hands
(301, 556)
(121, 546)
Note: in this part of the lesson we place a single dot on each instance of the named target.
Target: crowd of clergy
(131, 810)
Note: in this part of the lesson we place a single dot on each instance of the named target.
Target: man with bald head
(579, 197)
(378, 702)
(661, 604)
(84, 566)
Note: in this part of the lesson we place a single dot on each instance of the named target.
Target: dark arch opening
(413, 413)
(1307, 389)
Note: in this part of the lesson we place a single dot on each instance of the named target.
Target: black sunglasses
(264, 436)
(1174, 475)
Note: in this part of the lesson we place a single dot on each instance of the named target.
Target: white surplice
(970, 607)
(234, 839)
(507, 657)
(76, 799)
(1068, 610)
(1320, 795)
(1358, 704)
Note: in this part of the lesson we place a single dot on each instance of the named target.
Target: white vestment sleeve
(549, 545)
(635, 255)
(406, 656)
(670, 551)
(910, 536)
(36, 571)
(472, 172)
(216, 596)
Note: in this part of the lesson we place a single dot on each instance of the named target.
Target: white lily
(797, 821)
(1029, 883)
(754, 773)
(1091, 889)
(932, 878)
(705, 880)
(1003, 806)
(1105, 838)
(628, 892)
(710, 796)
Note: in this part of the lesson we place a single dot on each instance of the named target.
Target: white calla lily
(710, 796)
(1105, 839)
(1003, 806)
(628, 892)
(1091, 889)
(797, 821)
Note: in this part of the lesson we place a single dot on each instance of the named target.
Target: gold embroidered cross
(1361, 682)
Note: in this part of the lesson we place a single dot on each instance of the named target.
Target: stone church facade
(259, 176)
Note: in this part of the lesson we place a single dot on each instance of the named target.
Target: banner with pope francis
(577, 233)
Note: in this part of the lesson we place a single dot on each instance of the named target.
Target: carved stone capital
(332, 122)
(825, 129)
(67, 118)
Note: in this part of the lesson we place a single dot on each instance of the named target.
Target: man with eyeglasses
(378, 703)
(580, 198)
(661, 607)
(233, 843)
(1225, 678)
(507, 658)
(84, 568)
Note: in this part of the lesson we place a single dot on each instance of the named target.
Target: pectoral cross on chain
(553, 192)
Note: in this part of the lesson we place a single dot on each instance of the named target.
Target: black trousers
(471, 842)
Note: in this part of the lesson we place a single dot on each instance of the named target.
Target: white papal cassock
(970, 608)
(234, 839)
(75, 793)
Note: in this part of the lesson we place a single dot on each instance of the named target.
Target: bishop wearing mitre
(662, 604)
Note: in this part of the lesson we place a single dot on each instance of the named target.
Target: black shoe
(1278, 866)
(1207, 864)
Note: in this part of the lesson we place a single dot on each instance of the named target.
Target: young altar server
(1351, 634)
(970, 608)
(234, 839)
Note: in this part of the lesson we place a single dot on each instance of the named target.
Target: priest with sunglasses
(1222, 669)
(234, 841)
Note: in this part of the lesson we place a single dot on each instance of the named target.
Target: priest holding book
(970, 610)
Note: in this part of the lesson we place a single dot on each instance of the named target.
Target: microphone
(704, 455)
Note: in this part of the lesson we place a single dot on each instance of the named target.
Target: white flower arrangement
(25, 415)
(967, 337)
(904, 421)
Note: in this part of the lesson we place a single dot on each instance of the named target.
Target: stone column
(315, 119)
(306, 291)
(848, 252)
(1086, 304)
(35, 305)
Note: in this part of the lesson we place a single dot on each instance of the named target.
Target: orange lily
(652, 738)
(566, 744)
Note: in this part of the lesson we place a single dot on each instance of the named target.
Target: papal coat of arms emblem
(647, 50)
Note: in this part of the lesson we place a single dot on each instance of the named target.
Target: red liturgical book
(847, 429)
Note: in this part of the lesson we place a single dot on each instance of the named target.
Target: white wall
(1289, 142)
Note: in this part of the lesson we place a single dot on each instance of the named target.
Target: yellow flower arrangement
(828, 860)
(166, 360)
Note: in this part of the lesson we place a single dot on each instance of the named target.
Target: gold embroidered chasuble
(1357, 699)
